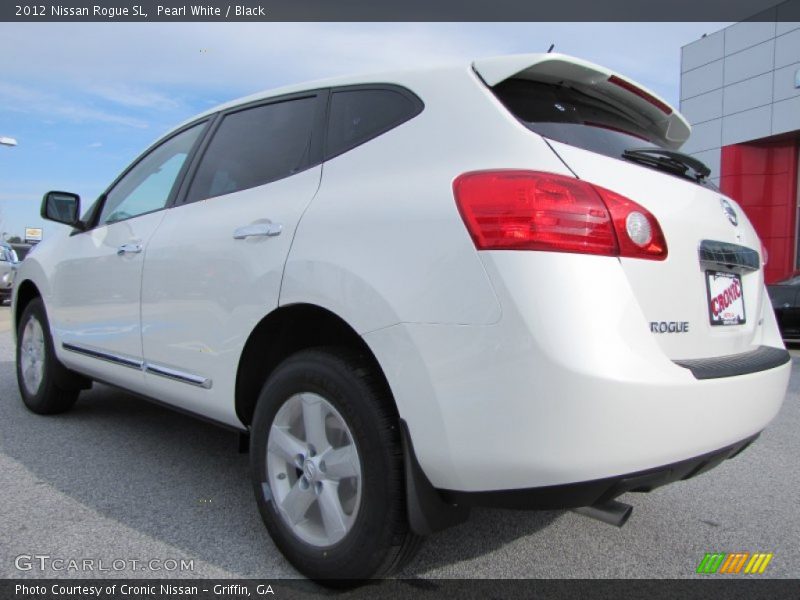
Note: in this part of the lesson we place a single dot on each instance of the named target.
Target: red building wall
(762, 177)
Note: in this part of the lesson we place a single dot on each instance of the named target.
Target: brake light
(636, 90)
(529, 210)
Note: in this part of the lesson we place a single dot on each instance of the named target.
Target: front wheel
(327, 468)
(40, 376)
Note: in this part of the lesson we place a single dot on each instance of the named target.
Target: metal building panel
(787, 49)
(703, 51)
(703, 107)
(705, 136)
(749, 63)
(746, 34)
(701, 80)
(747, 94)
(786, 116)
(748, 125)
(785, 84)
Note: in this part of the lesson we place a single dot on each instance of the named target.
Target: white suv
(494, 284)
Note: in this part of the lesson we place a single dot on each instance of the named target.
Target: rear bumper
(569, 386)
(588, 493)
(755, 361)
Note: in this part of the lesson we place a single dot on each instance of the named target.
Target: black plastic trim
(755, 361)
(588, 493)
(427, 512)
(727, 255)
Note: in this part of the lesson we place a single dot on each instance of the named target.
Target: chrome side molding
(106, 356)
(203, 382)
(728, 256)
(139, 365)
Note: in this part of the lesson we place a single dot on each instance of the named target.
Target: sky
(84, 99)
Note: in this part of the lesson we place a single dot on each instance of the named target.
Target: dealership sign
(33, 235)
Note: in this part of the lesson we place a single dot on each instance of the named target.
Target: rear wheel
(327, 468)
(44, 383)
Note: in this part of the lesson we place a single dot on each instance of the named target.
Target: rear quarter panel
(383, 243)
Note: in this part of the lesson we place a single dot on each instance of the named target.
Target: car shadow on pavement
(181, 481)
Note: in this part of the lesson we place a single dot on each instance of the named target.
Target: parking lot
(121, 479)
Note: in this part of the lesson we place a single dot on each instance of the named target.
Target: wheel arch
(284, 331)
(26, 291)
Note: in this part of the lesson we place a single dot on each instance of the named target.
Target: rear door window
(255, 146)
(359, 115)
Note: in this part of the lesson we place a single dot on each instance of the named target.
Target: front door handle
(257, 230)
(129, 249)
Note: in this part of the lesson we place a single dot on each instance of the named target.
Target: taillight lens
(528, 210)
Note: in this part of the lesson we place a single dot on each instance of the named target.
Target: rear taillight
(528, 210)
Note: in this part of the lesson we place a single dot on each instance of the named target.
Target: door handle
(129, 249)
(257, 230)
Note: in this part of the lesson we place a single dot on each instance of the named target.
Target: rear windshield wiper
(669, 160)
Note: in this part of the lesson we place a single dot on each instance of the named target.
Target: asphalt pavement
(120, 479)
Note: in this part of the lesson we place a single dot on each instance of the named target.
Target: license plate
(725, 299)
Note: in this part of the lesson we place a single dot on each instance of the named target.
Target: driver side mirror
(62, 207)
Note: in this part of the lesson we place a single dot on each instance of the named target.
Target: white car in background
(493, 284)
(8, 267)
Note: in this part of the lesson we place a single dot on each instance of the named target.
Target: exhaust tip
(612, 512)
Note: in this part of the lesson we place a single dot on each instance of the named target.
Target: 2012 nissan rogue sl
(495, 284)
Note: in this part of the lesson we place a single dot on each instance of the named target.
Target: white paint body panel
(512, 369)
(203, 291)
(95, 296)
(558, 392)
(675, 289)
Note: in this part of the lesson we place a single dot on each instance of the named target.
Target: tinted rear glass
(254, 146)
(572, 117)
(357, 116)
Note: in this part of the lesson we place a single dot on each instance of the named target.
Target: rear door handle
(257, 230)
(129, 249)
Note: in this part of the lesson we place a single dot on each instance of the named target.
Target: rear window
(572, 117)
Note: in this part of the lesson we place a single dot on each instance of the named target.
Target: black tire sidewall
(48, 398)
(361, 552)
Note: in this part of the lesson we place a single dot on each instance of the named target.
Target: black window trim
(315, 155)
(92, 219)
(419, 106)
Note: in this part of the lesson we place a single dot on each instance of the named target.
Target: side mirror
(62, 207)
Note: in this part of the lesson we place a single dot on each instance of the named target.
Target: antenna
(550, 49)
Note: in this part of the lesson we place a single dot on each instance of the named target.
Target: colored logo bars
(736, 562)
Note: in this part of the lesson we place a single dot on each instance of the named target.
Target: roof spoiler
(655, 114)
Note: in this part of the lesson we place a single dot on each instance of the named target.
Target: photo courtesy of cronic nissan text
(419, 300)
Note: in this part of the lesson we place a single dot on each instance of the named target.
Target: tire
(372, 537)
(56, 388)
